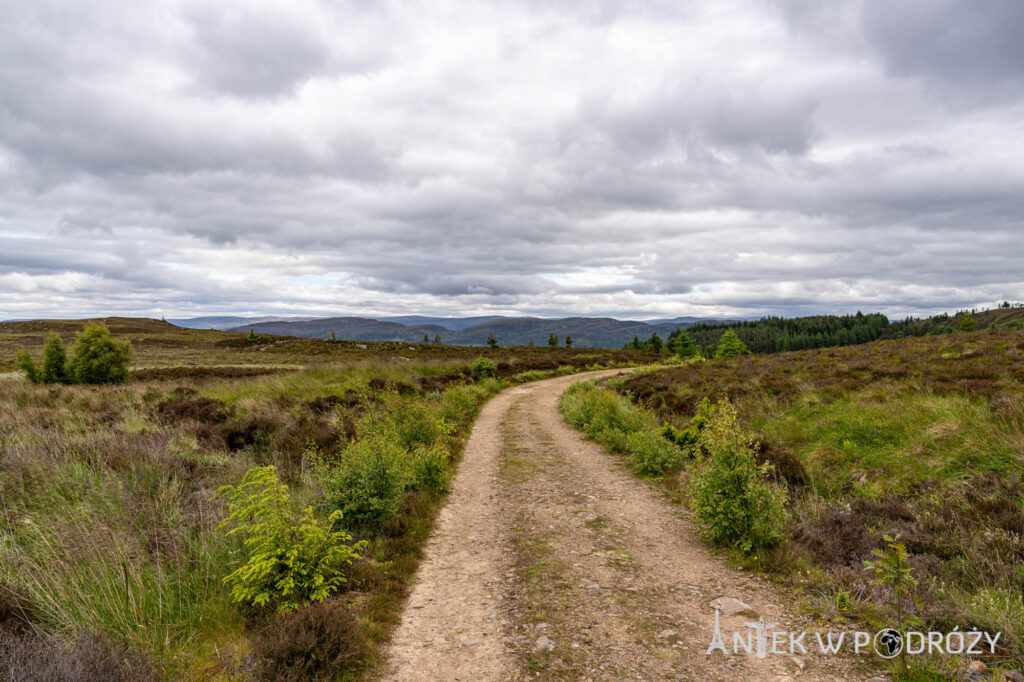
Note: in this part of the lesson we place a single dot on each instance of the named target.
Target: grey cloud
(250, 51)
(969, 45)
(673, 158)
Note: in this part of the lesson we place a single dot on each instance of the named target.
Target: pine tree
(426, 338)
(99, 359)
(568, 341)
(655, 344)
(55, 361)
(683, 345)
(967, 323)
(492, 341)
(437, 339)
(730, 345)
(333, 336)
(552, 340)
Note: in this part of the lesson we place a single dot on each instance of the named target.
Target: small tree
(568, 341)
(334, 337)
(99, 359)
(251, 336)
(437, 339)
(967, 323)
(26, 364)
(292, 559)
(730, 345)
(552, 340)
(55, 361)
(735, 501)
(682, 345)
(892, 568)
(492, 341)
(655, 344)
(426, 338)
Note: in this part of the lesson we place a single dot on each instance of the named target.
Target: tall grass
(108, 516)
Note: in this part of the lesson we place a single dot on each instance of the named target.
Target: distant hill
(596, 332)
(586, 332)
(352, 328)
(453, 323)
(225, 322)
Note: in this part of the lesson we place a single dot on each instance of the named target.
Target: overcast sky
(637, 159)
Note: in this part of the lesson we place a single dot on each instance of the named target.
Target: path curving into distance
(552, 561)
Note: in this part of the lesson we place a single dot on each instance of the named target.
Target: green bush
(99, 359)
(688, 437)
(652, 455)
(292, 559)
(484, 366)
(27, 365)
(736, 504)
(416, 424)
(593, 410)
(614, 440)
(367, 485)
(430, 468)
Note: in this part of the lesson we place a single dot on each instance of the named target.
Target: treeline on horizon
(778, 334)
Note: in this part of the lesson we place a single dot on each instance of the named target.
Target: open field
(111, 561)
(921, 437)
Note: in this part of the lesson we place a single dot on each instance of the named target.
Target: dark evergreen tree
(730, 346)
(680, 343)
(55, 361)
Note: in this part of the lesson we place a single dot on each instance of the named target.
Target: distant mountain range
(596, 332)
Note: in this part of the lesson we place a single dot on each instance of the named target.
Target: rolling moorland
(114, 556)
(920, 439)
(114, 497)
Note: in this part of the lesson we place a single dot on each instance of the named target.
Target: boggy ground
(552, 561)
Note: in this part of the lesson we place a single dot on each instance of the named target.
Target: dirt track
(551, 560)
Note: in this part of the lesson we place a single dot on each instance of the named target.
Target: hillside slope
(351, 328)
(920, 438)
(586, 332)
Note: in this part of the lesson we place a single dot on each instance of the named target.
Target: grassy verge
(921, 438)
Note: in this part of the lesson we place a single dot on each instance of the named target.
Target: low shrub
(593, 410)
(652, 455)
(292, 559)
(430, 468)
(366, 486)
(689, 436)
(321, 641)
(736, 505)
(484, 366)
